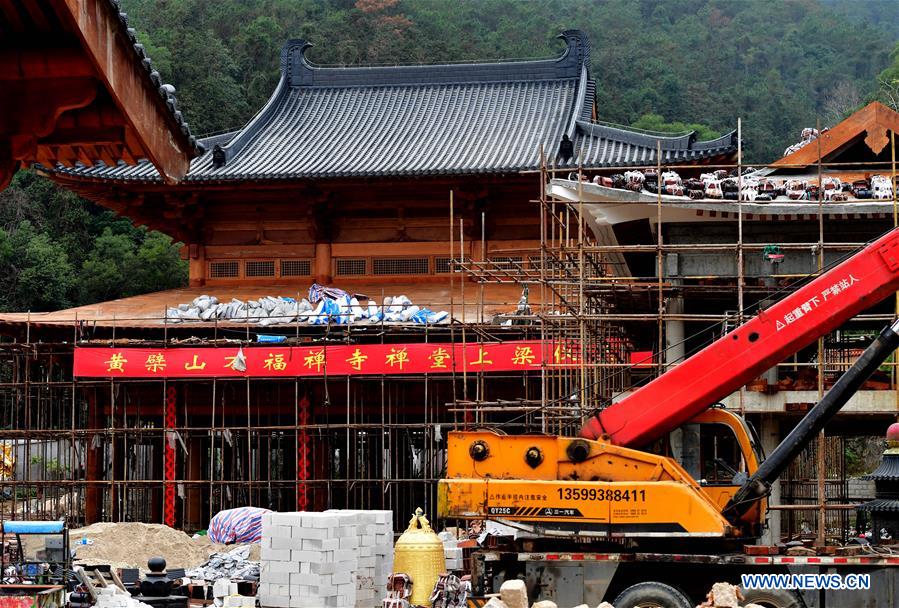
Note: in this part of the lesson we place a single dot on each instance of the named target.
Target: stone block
(514, 594)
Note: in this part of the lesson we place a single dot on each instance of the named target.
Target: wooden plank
(873, 116)
(88, 583)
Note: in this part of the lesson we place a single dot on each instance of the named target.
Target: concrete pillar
(675, 349)
(674, 328)
(769, 432)
(770, 375)
(684, 441)
(321, 265)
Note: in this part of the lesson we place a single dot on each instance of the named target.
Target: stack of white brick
(452, 553)
(335, 559)
(226, 595)
(308, 560)
(238, 601)
(375, 530)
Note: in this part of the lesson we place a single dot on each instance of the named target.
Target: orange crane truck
(603, 517)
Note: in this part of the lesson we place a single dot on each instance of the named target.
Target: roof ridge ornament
(578, 45)
(293, 62)
(297, 71)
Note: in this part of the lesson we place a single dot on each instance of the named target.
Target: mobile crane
(605, 485)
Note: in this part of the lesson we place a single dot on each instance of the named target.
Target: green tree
(108, 270)
(39, 272)
(656, 122)
(158, 265)
(888, 80)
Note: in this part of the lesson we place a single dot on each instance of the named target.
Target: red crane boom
(690, 387)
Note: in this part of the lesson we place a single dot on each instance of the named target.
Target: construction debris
(452, 551)
(752, 186)
(280, 310)
(513, 599)
(225, 594)
(514, 594)
(724, 595)
(808, 136)
(113, 597)
(233, 566)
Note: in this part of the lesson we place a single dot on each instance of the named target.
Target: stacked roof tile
(166, 91)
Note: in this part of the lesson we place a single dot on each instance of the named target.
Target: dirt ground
(131, 544)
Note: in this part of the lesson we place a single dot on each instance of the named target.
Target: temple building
(402, 189)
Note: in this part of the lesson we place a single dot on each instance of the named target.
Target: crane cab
(575, 487)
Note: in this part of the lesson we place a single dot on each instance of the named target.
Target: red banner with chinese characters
(333, 360)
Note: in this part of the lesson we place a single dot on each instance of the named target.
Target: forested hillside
(778, 65)
(667, 65)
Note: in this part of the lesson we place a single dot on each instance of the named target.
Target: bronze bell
(419, 553)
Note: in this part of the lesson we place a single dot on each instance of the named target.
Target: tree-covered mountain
(664, 65)
(774, 64)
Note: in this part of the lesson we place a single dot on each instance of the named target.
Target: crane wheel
(652, 595)
(772, 598)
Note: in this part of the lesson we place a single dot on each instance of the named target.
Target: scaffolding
(628, 328)
(178, 451)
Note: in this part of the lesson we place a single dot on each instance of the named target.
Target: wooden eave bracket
(113, 58)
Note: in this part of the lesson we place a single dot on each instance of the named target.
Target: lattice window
(534, 262)
(349, 266)
(506, 262)
(224, 270)
(443, 265)
(296, 268)
(259, 268)
(382, 266)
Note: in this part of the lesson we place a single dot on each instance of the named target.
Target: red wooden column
(171, 420)
(93, 510)
(303, 441)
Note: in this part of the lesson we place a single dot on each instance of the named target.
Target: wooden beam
(12, 17)
(32, 64)
(36, 10)
(33, 107)
(85, 137)
(96, 23)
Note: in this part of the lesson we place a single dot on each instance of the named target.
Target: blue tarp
(32, 527)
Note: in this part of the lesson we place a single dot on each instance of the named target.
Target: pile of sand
(131, 544)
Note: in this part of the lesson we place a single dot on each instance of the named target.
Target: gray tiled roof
(888, 469)
(420, 120)
(881, 505)
(601, 145)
